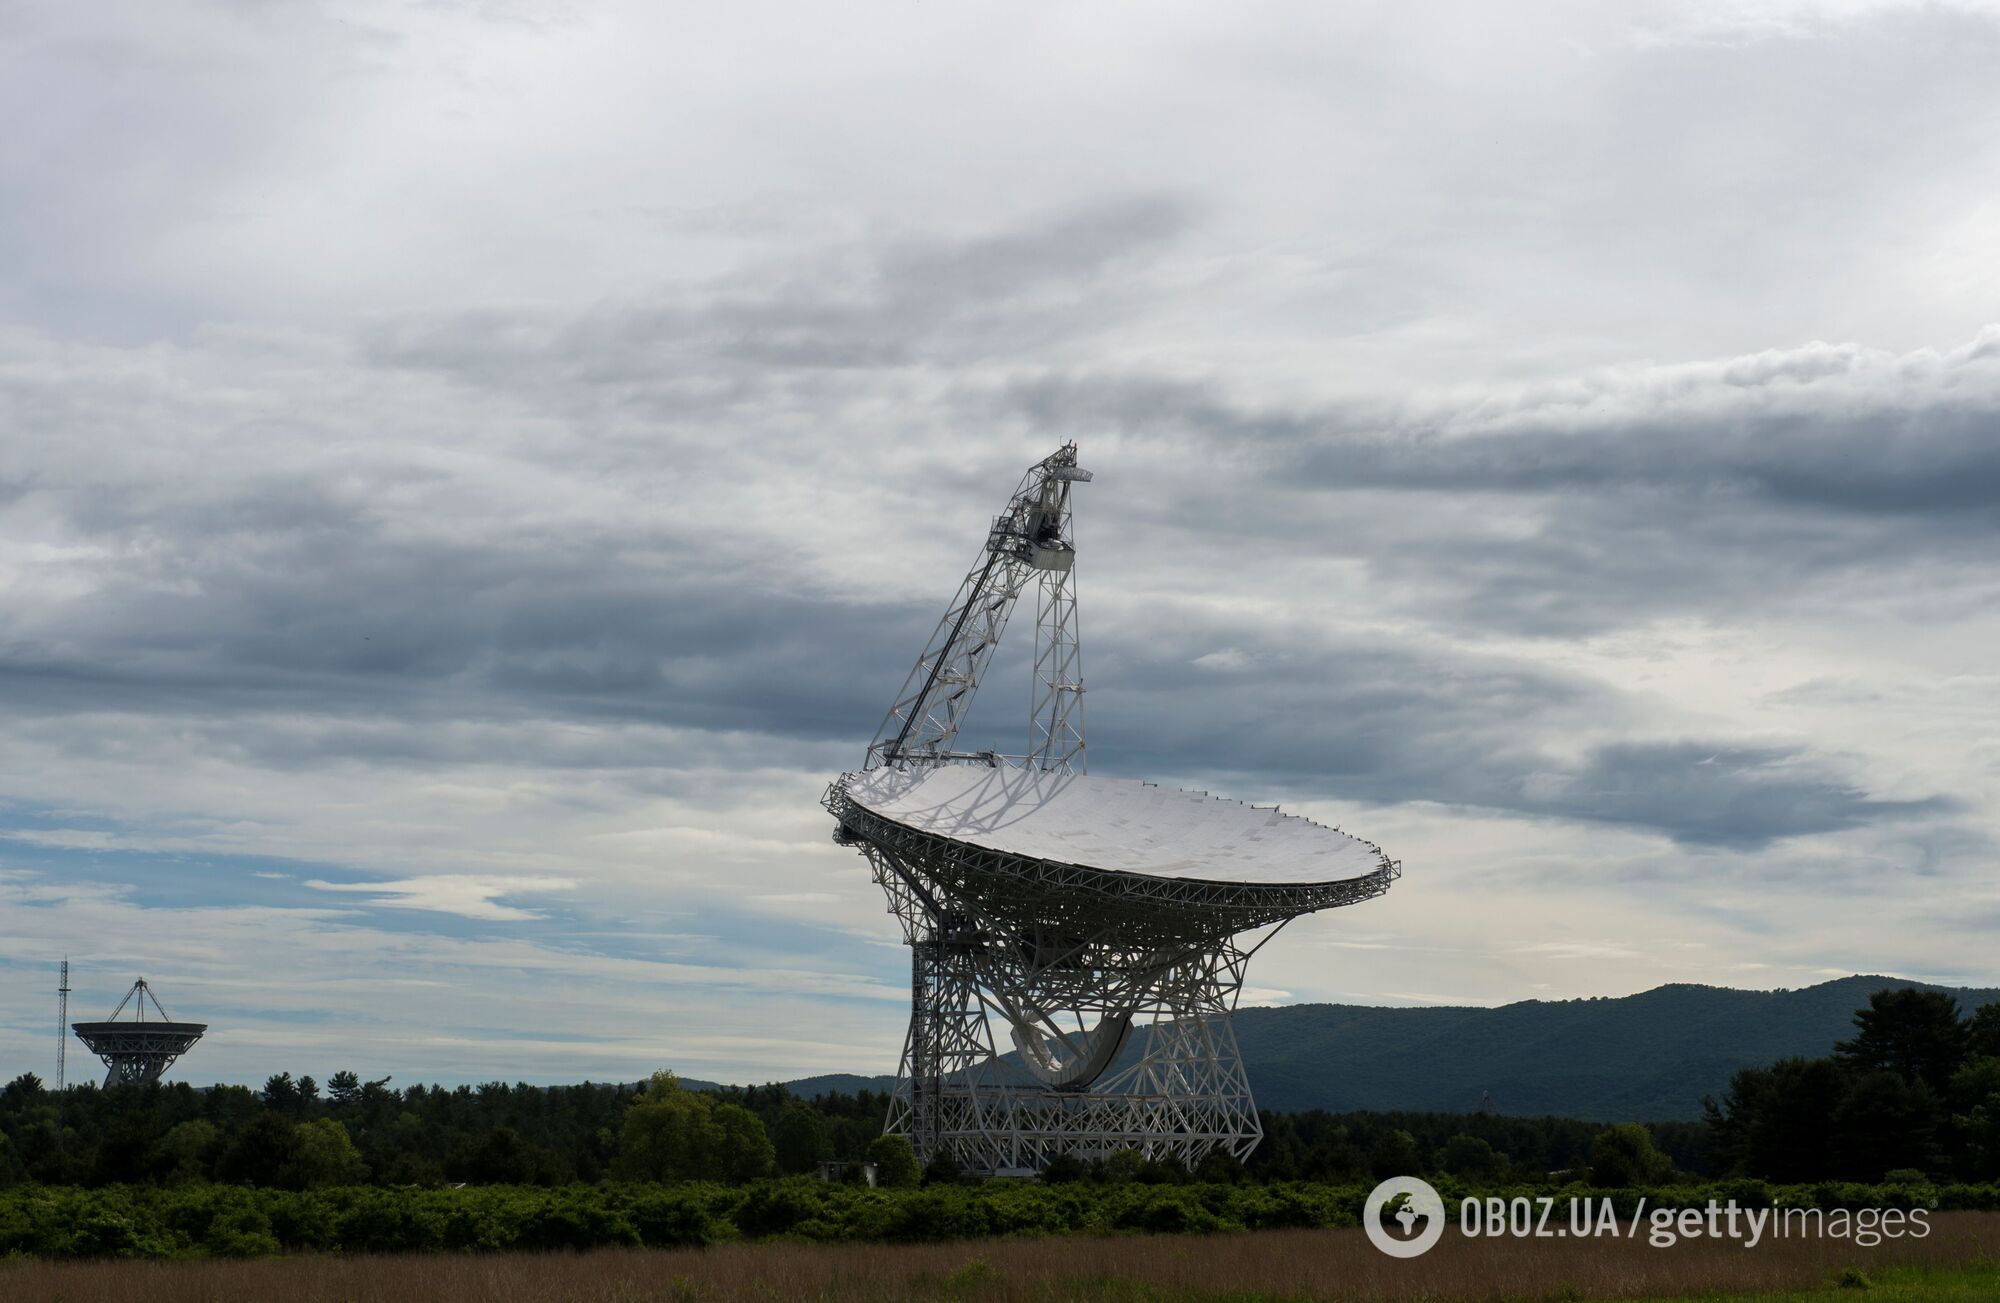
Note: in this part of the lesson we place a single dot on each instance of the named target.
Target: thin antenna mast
(62, 1031)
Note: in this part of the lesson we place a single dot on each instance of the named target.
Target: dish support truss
(1040, 949)
(1031, 540)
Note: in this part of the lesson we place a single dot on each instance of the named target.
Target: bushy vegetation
(236, 1221)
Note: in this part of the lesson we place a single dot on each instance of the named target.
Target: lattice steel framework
(1031, 539)
(1041, 949)
(136, 1052)
(1115, 989)
(62, 1033)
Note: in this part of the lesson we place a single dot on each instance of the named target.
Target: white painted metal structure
(1113, 823)
(1104, 924)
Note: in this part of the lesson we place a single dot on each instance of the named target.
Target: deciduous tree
(323, 1155)
(672, 1134)
(1626, 1155)
(895, 1162)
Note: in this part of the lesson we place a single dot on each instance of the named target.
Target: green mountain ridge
(1650, 1056)
(1645, 1057)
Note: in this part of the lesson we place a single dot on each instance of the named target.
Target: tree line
(1916, 1091)
(295, 1134)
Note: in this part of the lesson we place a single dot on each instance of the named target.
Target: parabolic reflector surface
(1113, 823)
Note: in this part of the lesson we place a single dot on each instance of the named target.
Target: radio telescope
(1104, 925)
(136, 1051)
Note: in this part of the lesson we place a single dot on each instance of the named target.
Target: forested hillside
(1647, 1057)
(1650, 1057)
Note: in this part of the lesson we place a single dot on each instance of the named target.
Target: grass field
(1957, 1262)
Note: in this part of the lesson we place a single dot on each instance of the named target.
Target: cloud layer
(463, 497)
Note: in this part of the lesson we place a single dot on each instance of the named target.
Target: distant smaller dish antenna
(137, 1050)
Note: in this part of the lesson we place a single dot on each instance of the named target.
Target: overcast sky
(470, 473)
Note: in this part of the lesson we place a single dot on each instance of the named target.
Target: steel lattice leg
(1179, 1091)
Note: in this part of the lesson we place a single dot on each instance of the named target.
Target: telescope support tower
(1112, 985)
(1070, 1089)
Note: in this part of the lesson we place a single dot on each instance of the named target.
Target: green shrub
(1168, 1210)
(777, 1207)
(672, 1217)
(242, 1232)
(240, 1221)
(895, 1162)
(1626, 1155)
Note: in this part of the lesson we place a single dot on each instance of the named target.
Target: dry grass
(1281, 1264)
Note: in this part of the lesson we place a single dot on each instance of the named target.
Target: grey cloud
(1717, 794)
(1836, 428)
(368, 624)
(1648, 491)
(1815, 476)
(538, 447)
(1821, 477)
(891, 302)
(1386, 723)
(254, 588)
(291, 596)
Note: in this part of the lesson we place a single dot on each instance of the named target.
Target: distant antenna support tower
(136, 1052)
(62, 1030)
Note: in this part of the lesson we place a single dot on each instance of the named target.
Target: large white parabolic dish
(1113, 823)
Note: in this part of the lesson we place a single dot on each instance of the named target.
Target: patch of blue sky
(200, 880)
(707, 933)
